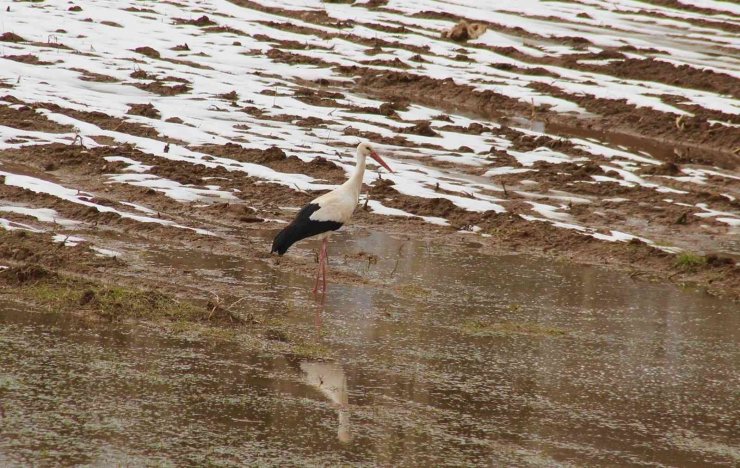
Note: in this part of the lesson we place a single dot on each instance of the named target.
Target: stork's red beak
(377, 158)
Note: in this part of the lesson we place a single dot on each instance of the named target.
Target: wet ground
(446, 356)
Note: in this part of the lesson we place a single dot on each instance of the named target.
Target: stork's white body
(339, 204)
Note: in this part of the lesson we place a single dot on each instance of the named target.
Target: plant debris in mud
(487, 328)
(690, 260)
(49, 290)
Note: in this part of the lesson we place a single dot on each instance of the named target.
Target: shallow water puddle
(446, 356)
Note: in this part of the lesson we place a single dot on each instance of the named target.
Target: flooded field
(460, 358)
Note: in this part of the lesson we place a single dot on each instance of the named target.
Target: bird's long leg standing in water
(321, 272)
(318, 271)
(324, 248)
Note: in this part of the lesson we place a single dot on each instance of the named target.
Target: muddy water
(445, 356)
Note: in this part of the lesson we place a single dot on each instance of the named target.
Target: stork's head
(365, 149)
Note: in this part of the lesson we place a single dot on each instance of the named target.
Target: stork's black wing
(302, 227)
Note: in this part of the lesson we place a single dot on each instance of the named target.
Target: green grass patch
(484, 328)
(111, 302)
(57, 293)
(690, 260)
(411, 290)
(310, 350)
(47, 290)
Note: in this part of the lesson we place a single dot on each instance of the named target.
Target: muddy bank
(276, 159)
(255, 206)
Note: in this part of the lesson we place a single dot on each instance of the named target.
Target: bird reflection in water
(330, 380)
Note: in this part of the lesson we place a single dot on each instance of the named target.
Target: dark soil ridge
(701, 22)
(276, 159)
(26, 117)
(85, 169)
(685, 6)
(708, 144)
(646, 69)
(638, 69)
(650, 69)
(105, 121)
(713, 145)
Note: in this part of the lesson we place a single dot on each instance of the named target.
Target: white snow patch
(68, 241)
(45, 215)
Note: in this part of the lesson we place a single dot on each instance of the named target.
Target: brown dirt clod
(144, 110)
(11, 37)
(423, 129)
(26, 273)
(148, 51)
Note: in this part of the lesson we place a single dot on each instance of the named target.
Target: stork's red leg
(318, 271)
(324, 249)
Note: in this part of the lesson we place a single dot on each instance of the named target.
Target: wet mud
(452, 361)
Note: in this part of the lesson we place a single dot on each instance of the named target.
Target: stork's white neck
(355, 182)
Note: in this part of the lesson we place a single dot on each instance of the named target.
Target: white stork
(327, 213)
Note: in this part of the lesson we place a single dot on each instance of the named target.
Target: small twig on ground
(534, 110)
(216, 301)
(503, 186)
(233, 316)
(236, 302)
(77, 138)
(328, 135)
(398, 259)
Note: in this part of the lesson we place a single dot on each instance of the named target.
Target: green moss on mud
(53, 292)
(113, 303)
(483, 328)
(47, 290)
(690, 260)
(411, 290)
